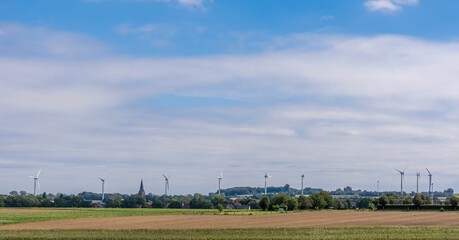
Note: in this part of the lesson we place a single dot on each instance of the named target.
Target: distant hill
(259, 190)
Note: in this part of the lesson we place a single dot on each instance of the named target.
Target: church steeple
(141, 190)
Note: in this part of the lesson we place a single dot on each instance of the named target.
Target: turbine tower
(418, 175)
(430, 182)
(219, 182)
(103, 188)
(402, 177)
(166, 184)
(266, 177)
(302, 181)
(35, 182)
(377, 187)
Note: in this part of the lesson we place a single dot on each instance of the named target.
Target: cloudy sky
(344, 91)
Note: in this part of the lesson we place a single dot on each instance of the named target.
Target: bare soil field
(303, 219)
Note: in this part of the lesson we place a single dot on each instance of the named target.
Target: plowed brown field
(304, 219)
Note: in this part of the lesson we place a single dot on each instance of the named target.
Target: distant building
(97, 204)
(141, 190)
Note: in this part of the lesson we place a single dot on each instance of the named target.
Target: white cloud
(126, 29)
(184, 3)
(358, 104)
(15, 41)
(327, 18)
(388, 5)
(191, 3)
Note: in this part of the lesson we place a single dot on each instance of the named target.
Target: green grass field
(44, 214)
(383, 233)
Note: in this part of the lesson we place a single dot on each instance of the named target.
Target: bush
(321, 200)
(220, 208)
(304, 202)
(318, 201)
(292, 204)
(364, 203)
(454, 201)
(279, 199)
(264, 203)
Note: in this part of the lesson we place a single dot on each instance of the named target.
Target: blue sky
(345, 91)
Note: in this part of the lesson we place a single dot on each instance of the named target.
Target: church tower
(141, 190)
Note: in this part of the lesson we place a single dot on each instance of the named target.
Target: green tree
(279, 199)
(217, 199)
(318, 201)
(264, 203)
(322, 200)
(134, 201)
(364, 203)
(253, 204)
(304, 202)
(292, 204)
(114, 202)
(220, 208)
(339, 205)
(328, 198)
(175, 204)
(383, 201)
(200, 202)
(418, 200)
(454, 201)
(407, 200)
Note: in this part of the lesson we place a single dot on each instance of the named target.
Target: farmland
(209, 224)
(352, 233)
(26, 215)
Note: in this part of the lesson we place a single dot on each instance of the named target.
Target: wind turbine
(266, 177)
(302, 181)
(103, 188)
(219, 182)
(430, 182)
(418, 175)
(377, 187)
(35, 182)
(402, 177)
(166, 184)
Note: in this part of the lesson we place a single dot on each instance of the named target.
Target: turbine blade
(38, 174)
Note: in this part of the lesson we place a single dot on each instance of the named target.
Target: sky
(342, 91)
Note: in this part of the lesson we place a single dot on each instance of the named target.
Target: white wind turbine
(166, 184)
(302, 182)
(103, 188)
(35, 182)
(402, 177)
(418, 175)
(219, 182)
(430, 183)
(266, 177)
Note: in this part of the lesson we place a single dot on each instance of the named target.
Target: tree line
(272, 202)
